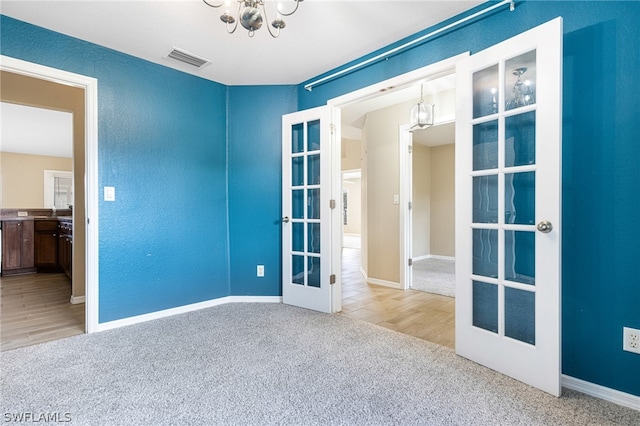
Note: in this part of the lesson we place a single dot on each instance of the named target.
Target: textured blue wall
(601, 167)
(162, 144)
(255, 177)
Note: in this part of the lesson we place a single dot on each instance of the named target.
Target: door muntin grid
(306, 199)
(503, 180)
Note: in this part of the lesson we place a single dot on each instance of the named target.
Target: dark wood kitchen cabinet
(18, 247)
(46, 246)
(65, 246)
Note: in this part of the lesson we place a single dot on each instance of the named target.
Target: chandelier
(251, 14)
(421, 115)
(521, 93)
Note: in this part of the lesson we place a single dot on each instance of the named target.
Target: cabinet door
(17, 245)
(28, 245)
(46, 249)
(11, 244)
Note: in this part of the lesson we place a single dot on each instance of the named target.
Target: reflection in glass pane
(313, 163)
(297, 138)
(520, 81)
(297, 171)
(520, 315)
(313, 204)
(520, 256)
(485, 146)
(520, 139)
(297, 204)
(485, 306)
(485, 199)
(313, 135)
(313, 245)
(520, 198)
(314, 272)
(297, 237)
(485, 252)
(297, 269)
(486, 94)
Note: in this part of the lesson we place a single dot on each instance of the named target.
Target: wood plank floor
(423, 315)
(35, 308)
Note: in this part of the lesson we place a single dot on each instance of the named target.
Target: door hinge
(333, 128)
(332, 204)
(410, 205)
(332, 279)
(410, 149)
(410, 262)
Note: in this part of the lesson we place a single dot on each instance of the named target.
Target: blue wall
(255, 182)
(601, 167)
(162, 144)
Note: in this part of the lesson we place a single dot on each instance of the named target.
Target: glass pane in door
(485, 199)
(520, 315)
(486, 96)
(520, 198)
(520, 81)
(520, 256)
(485, 145)
(485, 306)
(485, 252)
(520, 139)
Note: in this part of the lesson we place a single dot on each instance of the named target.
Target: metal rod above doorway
(309, 87)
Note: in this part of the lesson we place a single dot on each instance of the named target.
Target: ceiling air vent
(188, 58)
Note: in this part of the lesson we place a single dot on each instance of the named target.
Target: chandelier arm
(264, 10)
(294, 10)
(235, 25)
(213, 5)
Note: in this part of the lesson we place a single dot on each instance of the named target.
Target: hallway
(416, 313)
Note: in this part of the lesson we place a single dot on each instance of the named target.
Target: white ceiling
(320, 36)
(36, 131)
(312, 43)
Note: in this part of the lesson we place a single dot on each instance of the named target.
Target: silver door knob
(285, 219)
(544, 226)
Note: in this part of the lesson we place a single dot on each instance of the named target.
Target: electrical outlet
(260, 271)
(631, 340)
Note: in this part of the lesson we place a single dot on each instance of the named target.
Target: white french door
(311, 208)
(508, 201)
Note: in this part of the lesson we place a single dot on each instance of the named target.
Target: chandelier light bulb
(251, 14)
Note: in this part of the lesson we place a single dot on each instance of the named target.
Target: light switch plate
(109, 193)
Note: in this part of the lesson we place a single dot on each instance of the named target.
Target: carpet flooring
(262, 364)
(434, 276)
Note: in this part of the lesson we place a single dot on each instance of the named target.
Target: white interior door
(311, 209)
(508, 199)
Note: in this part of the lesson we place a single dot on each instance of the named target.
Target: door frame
(90, 86)
(429, 72)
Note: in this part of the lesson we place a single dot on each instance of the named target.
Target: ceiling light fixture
(250, 15)
(421, 114)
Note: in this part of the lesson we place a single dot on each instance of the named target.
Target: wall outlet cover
(631, 340)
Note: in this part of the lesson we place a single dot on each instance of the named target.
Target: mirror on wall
(36, 157)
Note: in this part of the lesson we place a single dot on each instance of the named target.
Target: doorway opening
(83, 211)
(378, 284)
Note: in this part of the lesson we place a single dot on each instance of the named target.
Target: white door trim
(405, 139)
(90, 86)
(433, 71)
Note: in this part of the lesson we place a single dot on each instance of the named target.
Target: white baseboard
(187, 308)
(376, 281)
(436, 256)
(433, 256)
(602, 392)
(385, 283)
(77, 299)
